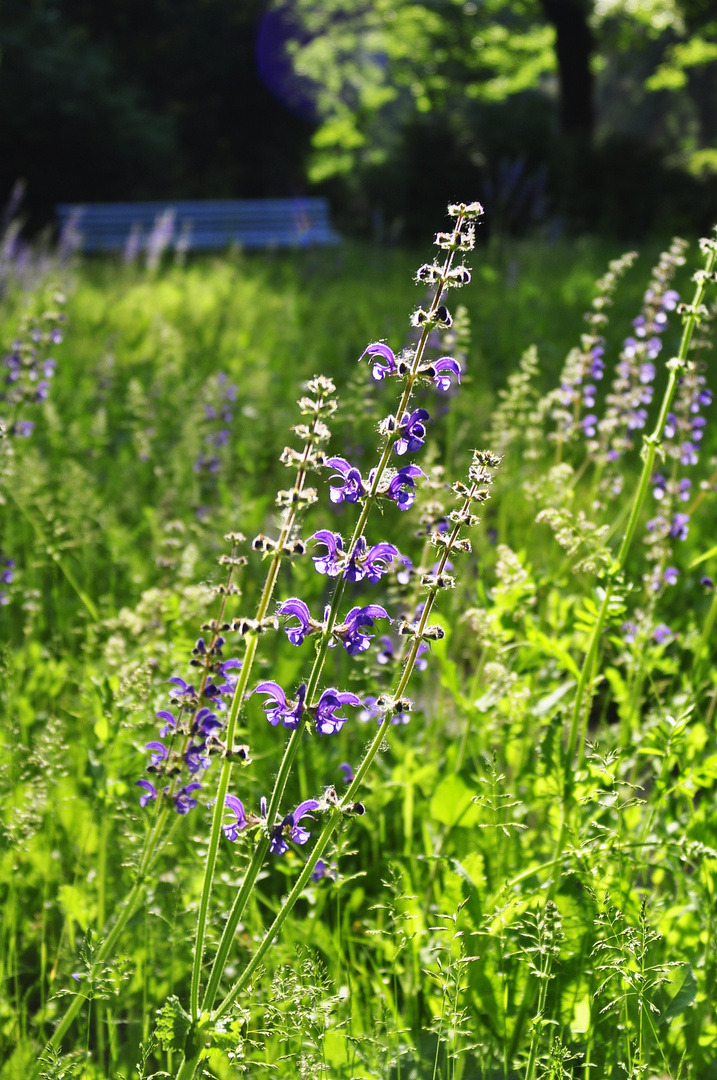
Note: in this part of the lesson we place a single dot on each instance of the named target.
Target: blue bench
(202, 225)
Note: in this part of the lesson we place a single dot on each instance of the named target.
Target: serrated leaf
(173, 1024)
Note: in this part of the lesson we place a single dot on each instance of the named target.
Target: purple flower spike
(232, 829)
(159, 753)
(379, 370)
(412, 432)
(352, 488)
(328, 721)
(447, 364)
(402, 488)
(290, 712)
(330, 563)
(183, 801)
(352, 633)
(150, 789)
(298, 609)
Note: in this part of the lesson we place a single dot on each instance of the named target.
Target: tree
(374, 65)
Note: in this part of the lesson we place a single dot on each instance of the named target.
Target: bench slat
(206, 225)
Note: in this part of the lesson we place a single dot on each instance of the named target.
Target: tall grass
(530, 891)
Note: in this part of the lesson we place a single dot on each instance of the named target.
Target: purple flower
(707, 582)
(205, 721)
(194, 757)
(647, 372)
(688, 454)
(330, 563)
(402, 488)
(589, 424)
(404, 576)
(371, 711)
(328, 721)
(671, 575)
(227, 665)
(184, 690)
(447, 364)
(629, 630)
(183, 801)
(385, 653)
(371, 564)
(232, 829)
(379, 370)
(670, 428)
(150, 789)
(352, 487)
(661, 633)
(346, 772)
(670, 300)
(412, 432)
(290, 824)
(170, 724)
(159, 753)
(352, 633)
(290, 712)
(658, 486)
(680, 526)
(298, 609)
(684, 490)
(321, 870)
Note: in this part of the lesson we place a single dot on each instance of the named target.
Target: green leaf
(452, 803)
(173, 1024)
(686, 992)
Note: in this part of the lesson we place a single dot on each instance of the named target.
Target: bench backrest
(204, 225)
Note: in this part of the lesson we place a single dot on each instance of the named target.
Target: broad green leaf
(685, 985)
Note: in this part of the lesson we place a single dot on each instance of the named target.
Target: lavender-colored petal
(446, 364)
(304, 808)
(151, 792)
(380, 371)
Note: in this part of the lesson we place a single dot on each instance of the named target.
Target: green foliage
(448, 939)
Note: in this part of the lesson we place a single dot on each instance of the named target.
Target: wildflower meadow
(358, 677)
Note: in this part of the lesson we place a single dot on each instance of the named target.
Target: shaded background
(200, 99)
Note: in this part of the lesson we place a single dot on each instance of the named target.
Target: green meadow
(530, 891)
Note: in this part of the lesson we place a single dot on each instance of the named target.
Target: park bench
(201, 225)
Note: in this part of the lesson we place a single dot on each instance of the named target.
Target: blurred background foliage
(586, 114)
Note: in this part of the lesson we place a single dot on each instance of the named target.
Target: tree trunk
(574, 47)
